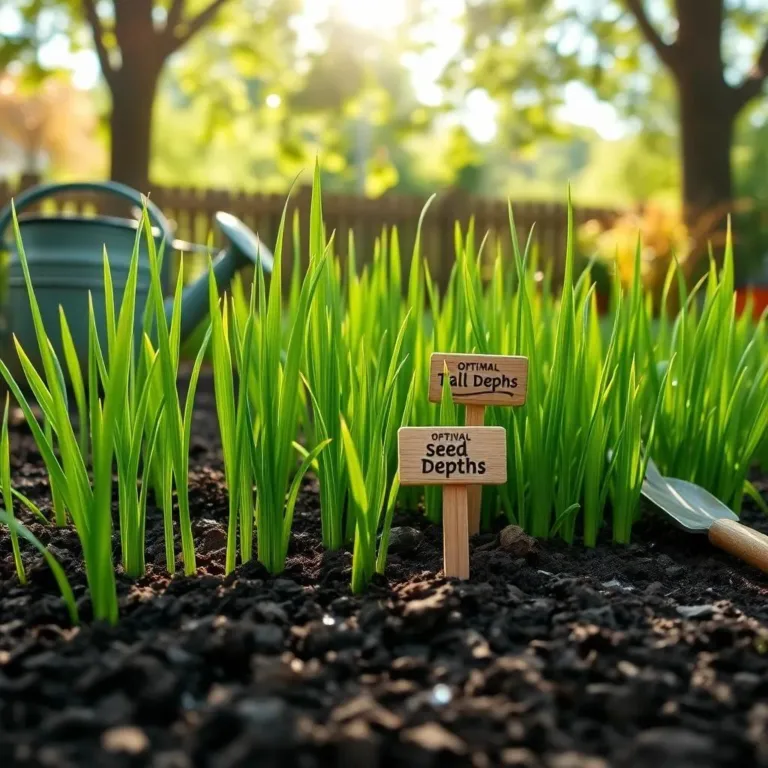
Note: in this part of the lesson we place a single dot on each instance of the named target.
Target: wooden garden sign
(454, 457)
(477, 381)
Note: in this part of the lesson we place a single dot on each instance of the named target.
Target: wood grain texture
(742, 542)
(455, 532)
(480, 379)
(452, 455)
(474, 416)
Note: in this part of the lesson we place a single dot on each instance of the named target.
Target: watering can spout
(245, 249)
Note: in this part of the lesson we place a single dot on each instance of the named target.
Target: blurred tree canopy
(134, 39)
(227, 93)
(714, 53)
(53, 120)
(353, 105)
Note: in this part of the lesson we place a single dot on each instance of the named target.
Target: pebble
(696, 611)
(127, 739)
(575, 760)
(115, 708)
(676, 747)
(519, 758)
(268, 638)
(317, 638)
(515, 594)
(269, 721)
(403, 540)
(171, 759)
(517, 542)
(70, 723)
(441, 695)
(213, 540)
(746, 681)
(616, 584)
(432, 737)
(288, 587)
(426, 612)
(270, 612)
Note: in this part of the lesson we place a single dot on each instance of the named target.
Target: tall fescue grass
(714, 414)
(323, 378)
(259, 425)
(604, 393)
(123, 403)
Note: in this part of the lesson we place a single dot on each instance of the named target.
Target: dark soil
(650, 655)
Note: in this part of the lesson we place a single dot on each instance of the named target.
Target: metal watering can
(64, 254)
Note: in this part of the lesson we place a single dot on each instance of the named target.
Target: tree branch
(193, 26)
(665, 51)
(89, 6)
(175, 14)
(752, 85)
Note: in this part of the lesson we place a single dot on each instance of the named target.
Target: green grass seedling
(176, 423)
(87, 498)
(374, 418)
(7, 495)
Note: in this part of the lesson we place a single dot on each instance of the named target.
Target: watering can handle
(42, 191)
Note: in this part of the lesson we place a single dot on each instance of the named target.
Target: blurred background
(652, 110)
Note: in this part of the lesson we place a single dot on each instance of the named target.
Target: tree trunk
(133, 98)
(708, 109)
(706, 133)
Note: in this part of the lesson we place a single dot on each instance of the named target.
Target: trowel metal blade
(688, 504)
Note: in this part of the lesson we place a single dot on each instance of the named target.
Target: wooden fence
(191, 212)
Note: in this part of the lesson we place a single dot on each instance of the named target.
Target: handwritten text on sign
(452, 455)
(480, 379)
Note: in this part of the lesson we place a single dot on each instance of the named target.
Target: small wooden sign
(480, 379)
(453, 457)
(477, 381)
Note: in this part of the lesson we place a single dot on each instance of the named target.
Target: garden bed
(651, 655)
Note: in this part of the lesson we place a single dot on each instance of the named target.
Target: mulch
(650, 655)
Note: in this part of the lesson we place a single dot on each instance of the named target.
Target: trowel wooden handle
(742, 542)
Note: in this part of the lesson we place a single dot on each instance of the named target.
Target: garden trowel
(698, 511)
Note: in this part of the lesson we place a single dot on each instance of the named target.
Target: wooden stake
(455, 531)
(474, 416)
(456, 458)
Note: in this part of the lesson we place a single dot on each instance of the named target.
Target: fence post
(452, 208)
(28, 180)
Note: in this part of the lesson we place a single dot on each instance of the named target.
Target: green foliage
(375, 417)
(86, 496)
(358, 325)
(327, 380)
(176, 425)
(597, 393)
(343, 363)
(714, 409)
(122, 418)
(235, 420)
(7, 496)
(271, 379)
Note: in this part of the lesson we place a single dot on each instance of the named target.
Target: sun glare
(371, 14)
